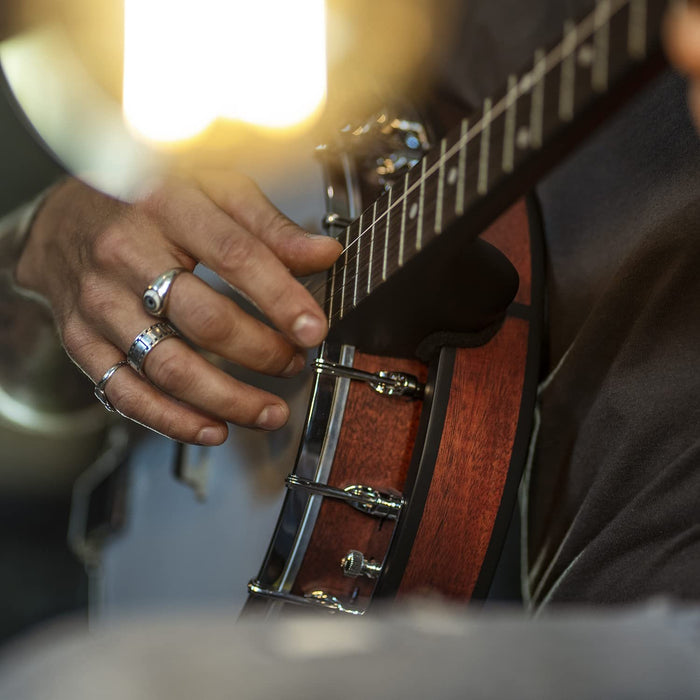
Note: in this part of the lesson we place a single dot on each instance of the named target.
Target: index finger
(244, 201)
(206, 232)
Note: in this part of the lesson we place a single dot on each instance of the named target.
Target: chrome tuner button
(354, 564)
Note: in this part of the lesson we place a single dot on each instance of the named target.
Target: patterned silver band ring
(155, 298)
(146, 341)
(100, 386)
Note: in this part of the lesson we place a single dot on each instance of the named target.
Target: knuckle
(77, 342)
(211, 326)
(239, 413)
(93, 301)
(124, 398)
(167, 424)
(276, 358)
(282, 224)
(170, 373)
(236, 253)
(283, 296)
(71, 333)
(157, 202)
(110, 245)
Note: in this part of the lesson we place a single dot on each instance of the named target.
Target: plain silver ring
(100, 386)
(145, 341)
(155, 298)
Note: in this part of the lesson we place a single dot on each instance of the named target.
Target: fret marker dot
(452, 176)
(522, 138)
(413, 211)
(586, 55)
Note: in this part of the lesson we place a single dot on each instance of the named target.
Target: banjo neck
(499, 152)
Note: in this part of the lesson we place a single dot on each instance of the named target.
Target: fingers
(135, 398)
(209, 397)
(93, 258)
(243, 260)
(180, 372)
(244, 202)
(214, 322)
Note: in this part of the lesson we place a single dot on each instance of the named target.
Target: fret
(404, 206)
(342, 284)
(362, 264)
(523, 116)
(377, 273)
(332, 292)
(414, 196)
(509, 133)
(357, 261)
(585, 56)
(394, 231)
(440, 188)
(483, 178)
(336, 289)
(601, 46)
(350, 236)
(371, 248)
(462, 167)
(537, 100)
(567, 86)
(421, 205)
(386, 235)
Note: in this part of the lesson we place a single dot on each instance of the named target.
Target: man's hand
(682, 38)
(91, 257)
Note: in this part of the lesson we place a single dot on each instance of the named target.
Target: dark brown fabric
(614, 506)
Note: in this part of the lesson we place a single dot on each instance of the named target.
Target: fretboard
(499, 151)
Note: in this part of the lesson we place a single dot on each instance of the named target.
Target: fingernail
(317, 237)
(272, 417)
(309, 330)
(295, 366)
(210, 436)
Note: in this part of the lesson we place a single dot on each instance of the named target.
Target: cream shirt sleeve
(15, 227)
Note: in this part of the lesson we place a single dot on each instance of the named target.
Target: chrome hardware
(333, 219)
(330, 602)
(379, 504)
(314, 462)
(383, 382)
(387, 145)
(354, 564)
(376, 503)
(319, 599)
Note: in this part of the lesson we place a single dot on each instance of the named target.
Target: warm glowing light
(189, 62)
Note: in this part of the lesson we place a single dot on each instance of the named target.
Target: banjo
(422, 402)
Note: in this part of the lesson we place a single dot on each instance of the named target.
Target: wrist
(17, 254)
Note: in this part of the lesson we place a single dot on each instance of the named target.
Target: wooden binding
(488, 406)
